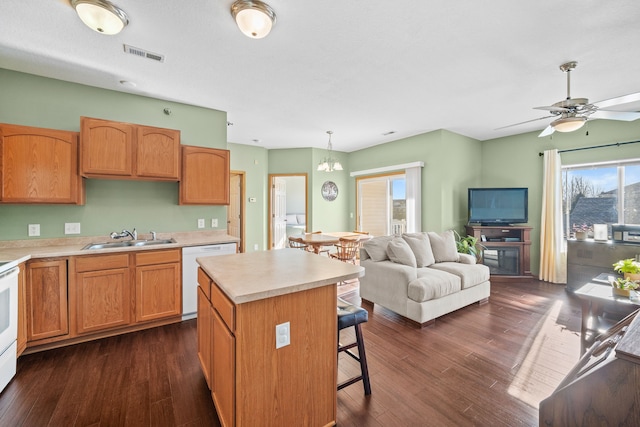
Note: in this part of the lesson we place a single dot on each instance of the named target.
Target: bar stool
(350, 315)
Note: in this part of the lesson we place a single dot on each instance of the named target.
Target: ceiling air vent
(143, 53)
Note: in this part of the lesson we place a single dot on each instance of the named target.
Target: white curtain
(413, 179)
(553, 255)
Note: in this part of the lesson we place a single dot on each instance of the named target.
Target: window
(600, 193)
(382, 205)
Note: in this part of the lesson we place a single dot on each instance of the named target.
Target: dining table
(318, 240)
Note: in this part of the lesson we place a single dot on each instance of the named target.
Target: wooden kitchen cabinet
(22, 309)
(118, 150)
(102, 292)
(205, 317)
(39, 166)
(205, 176)
(158, 285)
(223, 370)
(46, 292)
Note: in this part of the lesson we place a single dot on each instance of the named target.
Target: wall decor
(329, 191)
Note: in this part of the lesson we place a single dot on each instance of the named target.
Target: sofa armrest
(466, 259)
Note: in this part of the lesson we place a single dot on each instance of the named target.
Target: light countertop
(18, 251)
(258, 275)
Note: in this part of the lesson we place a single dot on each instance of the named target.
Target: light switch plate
(34, 230)
(71, 228)
(283, 335)
(214, 222)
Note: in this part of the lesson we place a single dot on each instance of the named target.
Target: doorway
(287, 207)
(236, 208)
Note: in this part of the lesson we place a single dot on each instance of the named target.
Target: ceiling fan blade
(551, 108)
(547, 131)
(615, 115)
(521, 123)
(625, 99)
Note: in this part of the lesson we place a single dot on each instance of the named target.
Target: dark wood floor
(481, 365)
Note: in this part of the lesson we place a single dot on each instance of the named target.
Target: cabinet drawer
(205, 283)
(157, 257)
(101, 262)
(223, 306)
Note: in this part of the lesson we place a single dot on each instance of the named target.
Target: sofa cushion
(398, 251)
(377, 248)
(443, 246)
(470, 274)
(419, 244)
(432, 284)
(292, 219)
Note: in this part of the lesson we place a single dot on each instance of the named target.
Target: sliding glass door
(382, 204)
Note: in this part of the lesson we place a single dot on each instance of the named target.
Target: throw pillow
(377, 248)
(443, 246)
(419, 244)
(399, 252)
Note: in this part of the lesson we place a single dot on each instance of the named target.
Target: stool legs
(360, 357)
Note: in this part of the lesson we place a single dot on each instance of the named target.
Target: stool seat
(351, 316)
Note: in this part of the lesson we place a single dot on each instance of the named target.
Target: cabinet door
(158, 292)
(205, 176)
(102, 300)
(204, 334)
(47, 311)
(158, 153)
(223, 388)
(106, 148)
(22, 310)
(39, 166)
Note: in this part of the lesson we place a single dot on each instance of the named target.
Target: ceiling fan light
(101, 16)
(568, 124)
(254, 18)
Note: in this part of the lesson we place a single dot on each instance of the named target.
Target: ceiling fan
(572, 113)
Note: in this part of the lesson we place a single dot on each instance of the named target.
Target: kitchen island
(267, 336)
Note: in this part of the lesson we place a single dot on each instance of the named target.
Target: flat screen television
(498, 206)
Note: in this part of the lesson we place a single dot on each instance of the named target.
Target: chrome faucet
(133, 234)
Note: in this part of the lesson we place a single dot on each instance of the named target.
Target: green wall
(111, 205)
(514, 161)
(452, 163)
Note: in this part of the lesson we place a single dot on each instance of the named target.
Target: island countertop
(254, 276)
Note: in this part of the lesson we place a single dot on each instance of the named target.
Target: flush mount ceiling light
(329, 164)
(254, 18)
(568, 123)
(101, 15)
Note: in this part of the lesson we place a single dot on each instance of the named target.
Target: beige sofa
(421, 276)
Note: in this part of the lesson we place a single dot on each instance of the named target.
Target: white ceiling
(360, 67)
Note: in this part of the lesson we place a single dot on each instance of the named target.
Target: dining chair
(297, 243)
(346, 250)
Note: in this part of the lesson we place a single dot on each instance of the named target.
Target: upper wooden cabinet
(205, 176)
(128, 151)
(39, 166)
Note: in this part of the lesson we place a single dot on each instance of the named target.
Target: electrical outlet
(255, 247)
(34, 230)
(71, 228)
(214, 222)
(283, 335)
(201, 223)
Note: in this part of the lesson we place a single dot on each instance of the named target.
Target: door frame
(272, 177)
(242, 210)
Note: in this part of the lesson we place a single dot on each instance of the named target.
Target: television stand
(505, 249)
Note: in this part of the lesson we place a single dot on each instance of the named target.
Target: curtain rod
(614, 144)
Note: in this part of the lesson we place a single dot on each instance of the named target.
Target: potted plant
(467, 245)
(581, 231)
(629, 267)
(623, 287)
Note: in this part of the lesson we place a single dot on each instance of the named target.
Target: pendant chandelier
(329, 164)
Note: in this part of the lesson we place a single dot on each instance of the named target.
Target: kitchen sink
(128, 243)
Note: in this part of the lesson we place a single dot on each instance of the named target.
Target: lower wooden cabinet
(204, 334)
(223, 367)
(103, 293)
(158, 285)
(47, 303)
(22, 309)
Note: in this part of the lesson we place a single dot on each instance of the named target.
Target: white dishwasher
(190, 273)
